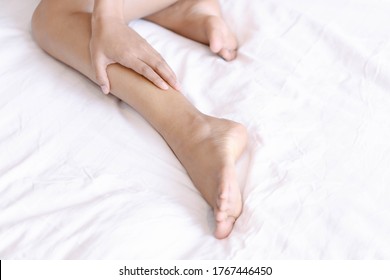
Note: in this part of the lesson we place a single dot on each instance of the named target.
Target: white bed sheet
(83, 176)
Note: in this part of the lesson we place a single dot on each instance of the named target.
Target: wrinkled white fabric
(83, 176)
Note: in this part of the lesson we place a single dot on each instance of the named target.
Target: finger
(165, 72)
(101, 75)
(161, 67)
(145, 70)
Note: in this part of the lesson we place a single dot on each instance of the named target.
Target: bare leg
(207, 147)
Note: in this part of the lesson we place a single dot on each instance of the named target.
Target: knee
(41, 23)
(45, 22)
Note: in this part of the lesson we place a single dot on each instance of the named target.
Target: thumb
(101, 76)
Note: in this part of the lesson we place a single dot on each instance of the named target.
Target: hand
(113, 41)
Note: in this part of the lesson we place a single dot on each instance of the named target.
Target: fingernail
(164, 86)
(178, 86)
(105, 89)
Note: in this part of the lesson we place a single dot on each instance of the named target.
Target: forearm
(108, 9)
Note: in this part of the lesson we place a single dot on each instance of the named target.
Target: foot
(209, 156)
(199, 20)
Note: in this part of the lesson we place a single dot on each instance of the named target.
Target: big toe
(215, 37)
(224, 228)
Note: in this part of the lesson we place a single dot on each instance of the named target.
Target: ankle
(187, 131)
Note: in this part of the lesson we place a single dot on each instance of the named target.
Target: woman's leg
(207, 147)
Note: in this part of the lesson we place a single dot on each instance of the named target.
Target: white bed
(83, 176)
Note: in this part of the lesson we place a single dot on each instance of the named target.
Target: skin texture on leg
(207, 147)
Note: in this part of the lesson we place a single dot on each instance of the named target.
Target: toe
(224, 228)
(220, 216)
(228, 54)
(215, 38)
(221, 40)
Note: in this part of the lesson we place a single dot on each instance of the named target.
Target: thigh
(133, 9)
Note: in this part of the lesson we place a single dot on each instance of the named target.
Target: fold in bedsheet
(83, 176)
